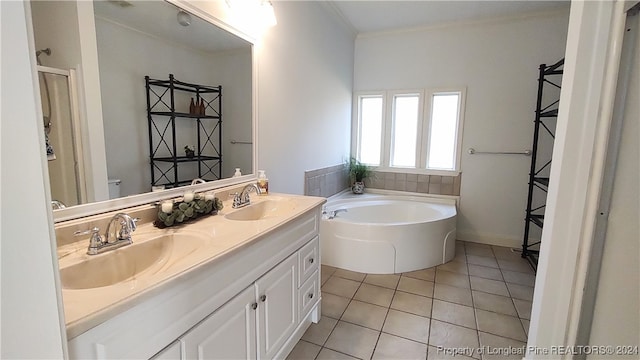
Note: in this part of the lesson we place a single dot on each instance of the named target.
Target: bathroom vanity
(241, 284)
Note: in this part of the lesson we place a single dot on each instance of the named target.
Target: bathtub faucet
(332, 214)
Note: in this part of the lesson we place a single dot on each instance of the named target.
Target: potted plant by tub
(358, 172)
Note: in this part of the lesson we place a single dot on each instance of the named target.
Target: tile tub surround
(327, 181)
(480, 299)
(425, 184)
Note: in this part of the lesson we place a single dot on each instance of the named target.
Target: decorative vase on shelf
(358, 187)
(189, 152)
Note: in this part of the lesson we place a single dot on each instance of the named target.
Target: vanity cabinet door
(228, 333)
(277, 307)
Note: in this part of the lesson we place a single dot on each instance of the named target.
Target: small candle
(209, 197)
(188, 196)
(167, 207)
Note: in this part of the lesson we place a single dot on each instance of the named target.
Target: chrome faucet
(98, 245)
(332, 214)
(242, 199)
(56, 204)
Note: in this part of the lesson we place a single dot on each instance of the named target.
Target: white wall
(122, 70)
(30, 317)
(498, 64)
(305, 74)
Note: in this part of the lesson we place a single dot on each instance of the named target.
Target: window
(409, 129)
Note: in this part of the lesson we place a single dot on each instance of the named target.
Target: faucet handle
(94, 242)
(127, 226)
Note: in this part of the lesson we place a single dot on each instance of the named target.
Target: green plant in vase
(358, 172)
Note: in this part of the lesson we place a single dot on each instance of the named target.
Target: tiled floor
(480, 300)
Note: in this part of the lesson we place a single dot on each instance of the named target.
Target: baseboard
(489, 239)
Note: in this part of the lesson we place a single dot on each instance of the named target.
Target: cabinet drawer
(308, 295)
(308, 260)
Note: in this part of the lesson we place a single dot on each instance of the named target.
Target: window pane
(370, 129)
(405, 130)
(442, 137)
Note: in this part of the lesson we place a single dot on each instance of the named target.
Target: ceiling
(375, 16)
(159, 19)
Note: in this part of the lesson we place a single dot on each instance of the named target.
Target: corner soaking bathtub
(387, 234)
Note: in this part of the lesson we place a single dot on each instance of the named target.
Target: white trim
(592, 56)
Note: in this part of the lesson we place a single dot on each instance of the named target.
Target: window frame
(423, 131)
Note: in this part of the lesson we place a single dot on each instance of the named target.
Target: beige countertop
(218, 238)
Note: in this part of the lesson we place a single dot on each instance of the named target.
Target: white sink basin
(266, 209)
(143, 258)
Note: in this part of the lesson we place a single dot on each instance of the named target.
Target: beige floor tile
(324, 277)
(497, 347)
(452, 336)
(304, 350)
(519, 278)
(482, 260)
(326, 269)
(485, 272)
(319, 333)
(460, 257)
(348, 274)
(328, 354)
(333, 306)
(416, 286)
(452, 279)
(502, 252)
(501, 325)
(353, 340)
(341, 287)
(388, 281)
(454, 267)
(489, 286)
(411, 303)
(524, 308)
(407, 325)
(521, 265)
(521, 292)
(453, 313)
(453, 294)
(393, 347)
(365, 314)
(444, 353)
(424, 274)
(525, 325)
(495, 303)
(374, 295)
(479, 250)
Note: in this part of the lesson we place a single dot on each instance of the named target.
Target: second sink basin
(131, 262)
(269, 208)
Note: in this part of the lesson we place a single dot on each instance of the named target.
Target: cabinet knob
(254, 306)
(263, 298)
(310, 295)
(311, 260)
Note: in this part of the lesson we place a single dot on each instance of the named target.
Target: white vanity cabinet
(253, 303)
(257, 322)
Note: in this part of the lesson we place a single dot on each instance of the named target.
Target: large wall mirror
(137, 39)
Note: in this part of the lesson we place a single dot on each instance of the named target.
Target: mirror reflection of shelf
(164, 131)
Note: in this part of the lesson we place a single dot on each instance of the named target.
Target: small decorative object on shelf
(189, 151)
(174, 213)
(201, 108)
(192, 108)
(358, 172)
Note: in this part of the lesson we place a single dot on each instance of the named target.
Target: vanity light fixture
(184, 18)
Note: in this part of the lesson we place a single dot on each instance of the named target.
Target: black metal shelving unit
(167, 166)
(544, 125)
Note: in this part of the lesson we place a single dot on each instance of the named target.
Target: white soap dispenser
(263, 182)
(237, 173)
